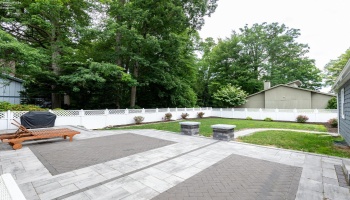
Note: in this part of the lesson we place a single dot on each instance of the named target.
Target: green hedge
(4, 106)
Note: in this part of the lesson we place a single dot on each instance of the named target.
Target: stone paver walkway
(148, 174)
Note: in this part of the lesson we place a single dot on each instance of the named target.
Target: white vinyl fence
(94, 119)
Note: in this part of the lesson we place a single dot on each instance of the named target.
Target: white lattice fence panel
(94, 112)
(286, 110)
(135, 111)
(66, 112)
(4, 194)
(150, 110)
(268, 110)
(180, 109)
(252, 109)
(162, 110)
(18, 114)
(327, 111)
(305, 111)
(2, 115)
(116, 111)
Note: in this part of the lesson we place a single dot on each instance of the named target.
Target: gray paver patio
(239, 177)
(62, 156)
(147, 174)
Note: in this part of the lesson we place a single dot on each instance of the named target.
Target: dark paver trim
(127, 174)
(341, 176)
(239, 177)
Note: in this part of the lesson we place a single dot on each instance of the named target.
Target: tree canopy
(334, 67)
(230, 96)
(257, 53)
(142, 53)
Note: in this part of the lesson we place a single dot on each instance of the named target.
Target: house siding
(319, 101)
(256, 101)
(344, 124)
(11, 92)
(287, 98)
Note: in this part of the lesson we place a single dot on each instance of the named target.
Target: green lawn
(314, 143)
(206, 130)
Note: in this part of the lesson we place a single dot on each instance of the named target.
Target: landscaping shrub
(268, 119)
(184, 115)
(333, 122)
(168, 116)
(4, 106)
(200, 114)
(138, 119)
(332, 103)
(302, 118)
(249, 118)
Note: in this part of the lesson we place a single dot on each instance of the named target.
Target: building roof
(297, 82)
(297, 88)
(343, 77)
(12, 78)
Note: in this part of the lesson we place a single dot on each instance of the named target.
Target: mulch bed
(329, 128)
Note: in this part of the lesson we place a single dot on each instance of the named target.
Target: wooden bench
(23, 134)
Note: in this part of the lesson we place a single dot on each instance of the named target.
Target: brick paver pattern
(62, 156)
(239, 177)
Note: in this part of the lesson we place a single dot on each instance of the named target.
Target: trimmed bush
(138, 119)
(200, 114)
(268, 119)
(302, 118)
(333, 122)
(168, 116)
(332, 103)
(184, 115)
(249, 118)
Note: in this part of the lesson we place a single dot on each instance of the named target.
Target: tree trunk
(55, 56)
(56, 100)
(133, 88)
(118, 38)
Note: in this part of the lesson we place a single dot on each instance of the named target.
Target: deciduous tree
(334, 67)
(230, 96)
(47, 24)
